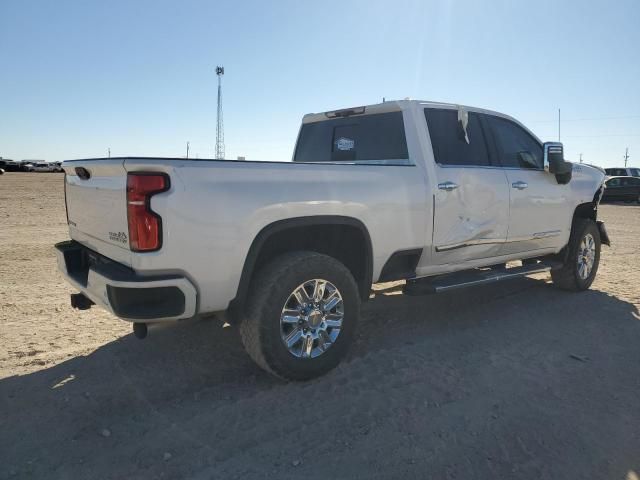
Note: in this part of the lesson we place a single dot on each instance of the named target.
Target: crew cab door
(540, 210)
(471, 197)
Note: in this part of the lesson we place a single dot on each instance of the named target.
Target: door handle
(448, 186)
(520, 185)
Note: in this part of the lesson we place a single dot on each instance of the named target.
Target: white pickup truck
(439, 195)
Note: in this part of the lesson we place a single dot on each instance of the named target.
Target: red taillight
(145, 226)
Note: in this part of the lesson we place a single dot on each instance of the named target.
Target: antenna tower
(220, 122)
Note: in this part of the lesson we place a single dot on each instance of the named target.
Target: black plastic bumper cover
(136, 303)
(146, 303)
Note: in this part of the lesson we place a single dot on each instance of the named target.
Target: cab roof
(393, 106)
(400, 105)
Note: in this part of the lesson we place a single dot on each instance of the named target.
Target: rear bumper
(122, 291)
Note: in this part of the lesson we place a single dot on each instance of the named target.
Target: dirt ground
(518, 380)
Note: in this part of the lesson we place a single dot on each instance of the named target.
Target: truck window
(516, 147)
(367, 137)
(449, 142)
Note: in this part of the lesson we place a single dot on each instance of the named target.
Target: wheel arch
(589, 210)
(345, 238)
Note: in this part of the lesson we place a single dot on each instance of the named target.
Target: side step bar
(468, 278)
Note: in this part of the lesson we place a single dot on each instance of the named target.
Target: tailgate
(95, 192)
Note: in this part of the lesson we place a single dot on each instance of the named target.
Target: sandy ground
(518, 380)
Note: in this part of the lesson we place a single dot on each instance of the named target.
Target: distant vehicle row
(47, 167)
(622, 172)
(30, 166)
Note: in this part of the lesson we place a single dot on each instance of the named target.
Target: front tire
(582, 258)
(301, 315)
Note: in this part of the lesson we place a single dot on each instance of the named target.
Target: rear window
(367, 137)
(451, 144)
(635, 172)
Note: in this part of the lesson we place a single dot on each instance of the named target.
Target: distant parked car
(623, 172)
(43, 167)
(9, 165)
(26, 167)
(57, 166)
(626, 189)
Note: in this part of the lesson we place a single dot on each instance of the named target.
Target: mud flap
(604, 237)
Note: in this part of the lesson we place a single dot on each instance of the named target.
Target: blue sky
(78, 77)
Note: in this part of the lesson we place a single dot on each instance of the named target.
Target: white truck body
(215, 210)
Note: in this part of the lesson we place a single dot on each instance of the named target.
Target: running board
(468, 278)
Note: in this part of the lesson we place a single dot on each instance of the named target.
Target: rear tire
(285, 327)
(582, 257)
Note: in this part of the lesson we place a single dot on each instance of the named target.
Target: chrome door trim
(447, 186)
(548, 234)
(486, 241)
(469, 243)
(490, 167)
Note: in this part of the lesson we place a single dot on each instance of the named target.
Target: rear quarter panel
(214, 210)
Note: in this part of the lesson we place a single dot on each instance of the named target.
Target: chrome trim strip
(491, 167)
(548, 234)
(469, 243)
(488, 241)
(447, 186)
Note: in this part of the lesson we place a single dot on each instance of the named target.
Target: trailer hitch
(81, 302)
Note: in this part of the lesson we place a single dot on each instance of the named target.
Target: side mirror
(555, 163)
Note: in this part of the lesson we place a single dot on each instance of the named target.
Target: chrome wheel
(586, 256)
(311, 318)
